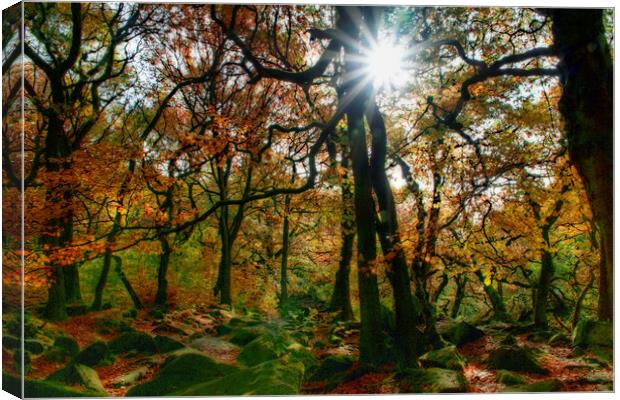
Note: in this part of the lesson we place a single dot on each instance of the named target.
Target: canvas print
(208, 199)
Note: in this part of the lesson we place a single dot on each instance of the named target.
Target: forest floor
(198, 330)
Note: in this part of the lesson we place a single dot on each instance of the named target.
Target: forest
(205, 200)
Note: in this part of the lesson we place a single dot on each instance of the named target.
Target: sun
(385, 66)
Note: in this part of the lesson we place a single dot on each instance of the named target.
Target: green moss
(461, 333)
(68, 345)
(181, 372)
(434, 380)
(590, 333)
(243, 336)
(43, 388)
(130, 377)
(78, 374)
(447, 357)
(515, 358)
(552, 385)
(93, 354)
(165, 344)
(11, 342)
(17, 361)
(509, 378)
(138, 342)
(261, 349)
(269, 378)
(33, 346)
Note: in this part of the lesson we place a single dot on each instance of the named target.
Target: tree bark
(223, 285)
(132, 293)
(547, 271)
(161, 298)
(461, 281)
(103, 278)
(284, 263)
(587, 107)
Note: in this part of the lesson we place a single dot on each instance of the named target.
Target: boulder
(165, 344)
(93, 354)
(433, 380)
(331, 366)
(42, 388)
(509, 378)
(515, 358)
(597, 377)
(559, 339)
(130, 377)
(447, 357)
(245, 335)
(509, 340)
(134, 342)
(268, 378)
(461, 333)
(67, 345)
(589, 333)
(259, 350)
(181, 372)
(33, 346)
(79, 374)
(551, 385)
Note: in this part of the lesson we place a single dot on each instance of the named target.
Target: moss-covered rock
(597, 377)
(130, 377)
(461, 333)
(559, 339)
(551, 385)
(34, 346)
(433, 380)
(259, 350)
(515, 358)
(181, 372)
(269, 378)
(589, 333)
(331, 366)
(94, 354)
(134, 342)
(245, 335)
(42, 388)
(165, 344)
(447, 357)
(509, 378)
(509, 340)
(68, 345)
(78, 374)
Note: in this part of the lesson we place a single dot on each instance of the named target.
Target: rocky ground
(214, 351)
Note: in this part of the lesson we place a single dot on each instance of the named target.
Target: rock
(515, 358)
(223, 329)
(461, 333)
(181, 372)
(156, 313)
(243, 336)
(135, 342)
(93, 354)
(68, 345)
(42, 388)
(509, 378)
(551, 385)
(299, 353)
(165, 344)
(130, 377)
(269, 378)
(79, 374)
(55, 355)
(331, 366)
(17, 362)
(169, 328)
(434, 380)
(589, 333)
(539, 336)
(261, 349)
(446, 357)
(33, 346)
(131, 313)
(11, 342)
(597, 377)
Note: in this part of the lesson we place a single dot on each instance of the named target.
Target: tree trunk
(223, 284)
(587, 107)
(161, 298)
(408, 336)
(103, 278)
(372, 346)
(284, 264)
(461, 281)
(56, 309)
(542, 292)
(497, 302)
(72, 283)
(132, 293)
(341, 297)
